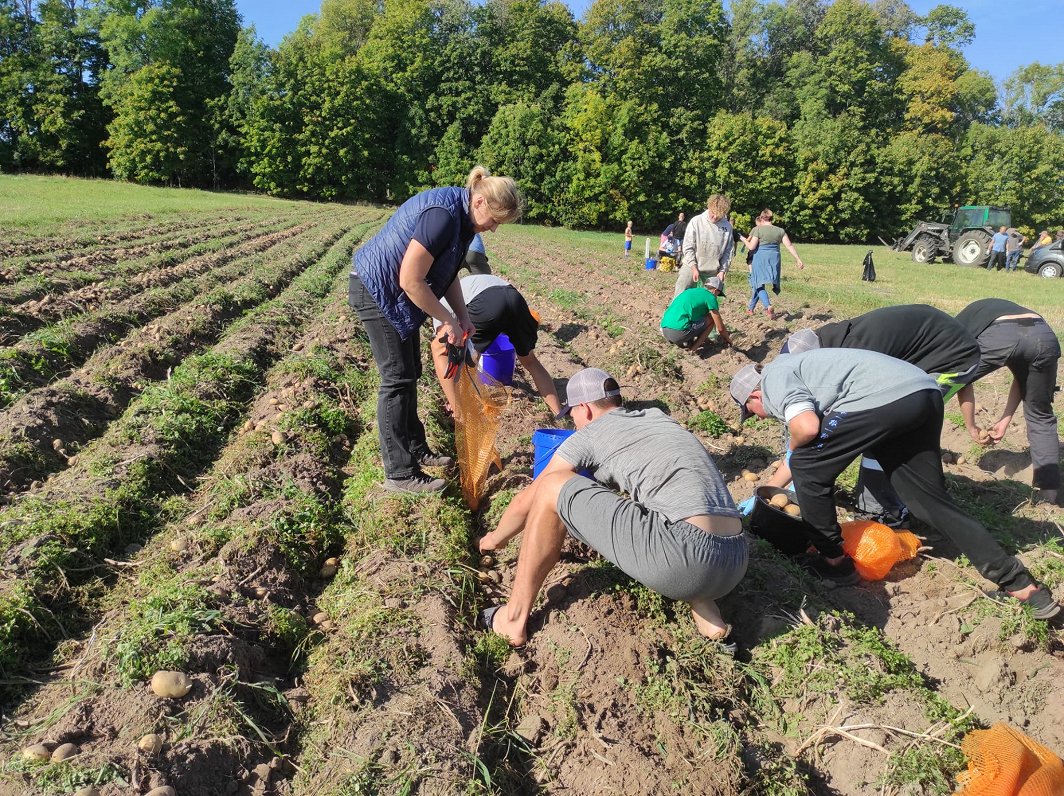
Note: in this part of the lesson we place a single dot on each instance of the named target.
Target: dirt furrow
(156, 272)
(246, 559)
(80, 406)
(117, 492)
(35, 293)
(54, 351)
(38, 253)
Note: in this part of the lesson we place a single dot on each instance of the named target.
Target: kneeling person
(686, 322)
(677, 531)
(496, 307)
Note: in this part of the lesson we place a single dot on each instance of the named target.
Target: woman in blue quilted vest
(398, 279)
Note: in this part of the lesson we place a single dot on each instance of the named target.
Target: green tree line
(850, 119)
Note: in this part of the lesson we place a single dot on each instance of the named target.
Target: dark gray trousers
(1030, 350)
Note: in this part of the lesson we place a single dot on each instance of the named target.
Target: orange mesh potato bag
(1003, 761)
(875, 548)
(479, 402)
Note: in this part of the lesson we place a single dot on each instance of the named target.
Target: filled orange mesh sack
(1003, 761)
(479, 402)
(875, 548)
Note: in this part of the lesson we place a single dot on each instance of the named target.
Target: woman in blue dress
(764, 242)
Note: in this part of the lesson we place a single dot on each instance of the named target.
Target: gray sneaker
(415, 484)
(430, 459)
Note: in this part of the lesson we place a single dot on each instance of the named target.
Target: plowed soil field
(191, 472)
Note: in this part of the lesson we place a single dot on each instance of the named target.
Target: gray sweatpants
(675, 559)
(1029, 348)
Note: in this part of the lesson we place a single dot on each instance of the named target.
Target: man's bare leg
(541, 546)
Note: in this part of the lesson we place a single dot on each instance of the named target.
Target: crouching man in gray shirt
(841, 403)
(677, 531)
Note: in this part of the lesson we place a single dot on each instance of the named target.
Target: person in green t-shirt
(687, 320)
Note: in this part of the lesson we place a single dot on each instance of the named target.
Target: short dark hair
(612, 401)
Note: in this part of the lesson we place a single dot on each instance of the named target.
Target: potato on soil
(164, 790)
(279, 437)
(88, 790)
(174, 685)
(779, 501)
(151, 743)
(65, 751)
(38, 753)
(749, 476)
(792, 509)
(319, 618)
(180, 544)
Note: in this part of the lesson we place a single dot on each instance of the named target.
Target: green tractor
(963, 234)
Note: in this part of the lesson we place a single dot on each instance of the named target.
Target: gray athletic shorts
(675, 559)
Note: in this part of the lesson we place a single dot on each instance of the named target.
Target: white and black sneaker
(418, 483)
(430, 459)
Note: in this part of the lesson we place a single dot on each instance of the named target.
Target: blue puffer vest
(377, 263)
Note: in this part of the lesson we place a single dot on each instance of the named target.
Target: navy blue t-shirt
(434, 230)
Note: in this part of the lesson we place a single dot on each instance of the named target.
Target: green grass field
(46, 205)
(833, 276)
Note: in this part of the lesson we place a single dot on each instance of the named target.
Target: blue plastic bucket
(499, 359)
(544, 442)
(651, 264)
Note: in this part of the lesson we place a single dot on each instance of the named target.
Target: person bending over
(496, 307)
(693, 314)
(657, 508)
(841, 403)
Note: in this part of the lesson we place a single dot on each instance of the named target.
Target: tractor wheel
(971, 248)
(925, 249)
(1050, 271)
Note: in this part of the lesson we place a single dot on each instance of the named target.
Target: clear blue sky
(1008, 35)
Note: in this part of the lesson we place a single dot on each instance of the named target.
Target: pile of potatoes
(783, 503)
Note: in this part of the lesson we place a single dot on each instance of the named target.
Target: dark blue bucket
(499, 359)
(651, 264)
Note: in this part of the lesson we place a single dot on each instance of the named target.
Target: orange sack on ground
(1003, 761)
(479, 402)
(875, 548)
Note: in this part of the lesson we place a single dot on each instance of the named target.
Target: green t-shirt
(768, 233)
(692, 305)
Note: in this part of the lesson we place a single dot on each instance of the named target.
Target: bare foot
(708, 620)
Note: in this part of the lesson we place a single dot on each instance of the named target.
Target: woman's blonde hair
(719, 204)
(501, 194)
(765, 215)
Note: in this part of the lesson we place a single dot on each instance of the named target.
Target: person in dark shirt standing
(679, 228)
(1019, 339)
(398, 279)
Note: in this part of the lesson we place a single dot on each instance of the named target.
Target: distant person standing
(1014, 248)
(764, 241)
(996, 248)
(679, 228)
(476, 259)
(628, 240)
(707, 245)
